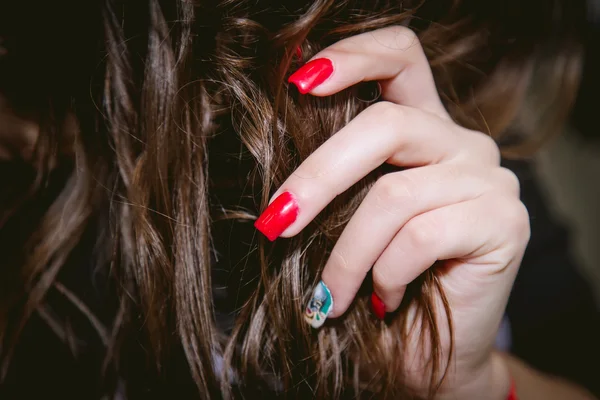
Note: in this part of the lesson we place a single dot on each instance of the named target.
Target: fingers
(391, 55)
(410, 129)
(465, 231)
(385, 132)
(390, 204)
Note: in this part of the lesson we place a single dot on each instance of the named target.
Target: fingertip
(301, 85)
(377, 306)
(278, 216)
(260, 226)
(312, 74)
(386, 301)
(335, 314)
(320, 306)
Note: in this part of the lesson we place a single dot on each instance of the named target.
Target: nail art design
(378, 306)
(280, 214)
(312, 74)
(319, 307)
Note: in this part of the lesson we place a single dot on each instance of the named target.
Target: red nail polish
(280, 214)
(299, 53)
(512, 394)
(312, 74)
(377, 306)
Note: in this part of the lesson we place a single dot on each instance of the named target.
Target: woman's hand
(455, 204)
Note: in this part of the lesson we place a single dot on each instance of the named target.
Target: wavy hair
(165, 134)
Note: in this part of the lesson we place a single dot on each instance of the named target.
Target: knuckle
(392, 40)
(390, 116)
(516, 219)
(421, 232)
(396, 37)
(482, 147)
(404, 35)
(394, 192)
(510, 181)
(489, 149)
(386, 110)
(382, 277)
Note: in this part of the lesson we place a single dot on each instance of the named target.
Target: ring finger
(467, 231)
(393, 201)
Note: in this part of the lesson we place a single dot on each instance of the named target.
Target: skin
(455, 203)
(532, 384)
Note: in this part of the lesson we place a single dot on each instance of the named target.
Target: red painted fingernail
(377, 306)
(299, 52)
(280, 214)
(312, 74)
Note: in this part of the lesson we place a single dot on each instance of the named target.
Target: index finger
(393, 56)
(383, 133)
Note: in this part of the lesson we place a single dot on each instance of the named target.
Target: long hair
(165, 126)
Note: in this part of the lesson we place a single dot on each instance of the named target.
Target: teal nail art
(319, 307)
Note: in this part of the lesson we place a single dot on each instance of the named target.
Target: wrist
(502, 381)
(490, 381)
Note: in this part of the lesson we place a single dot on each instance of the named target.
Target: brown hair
(170, 130)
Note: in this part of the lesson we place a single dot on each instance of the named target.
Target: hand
(455, 204)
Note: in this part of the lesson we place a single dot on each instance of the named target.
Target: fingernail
(377, 306)
(280, 214)
(299, 53)
(319, 307)
(312, 74)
